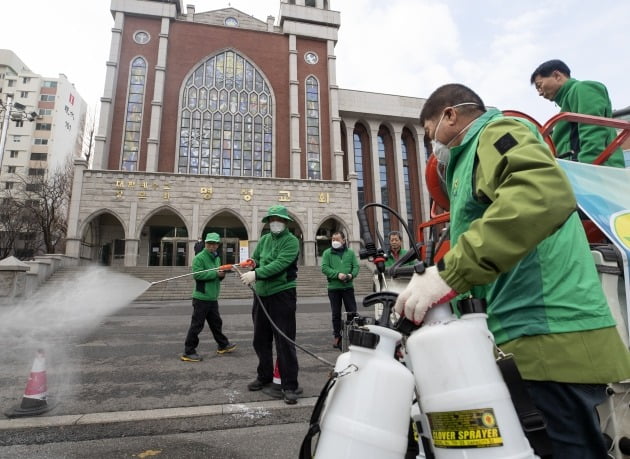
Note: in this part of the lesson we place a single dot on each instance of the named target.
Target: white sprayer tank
(368, 410)
(462, 392)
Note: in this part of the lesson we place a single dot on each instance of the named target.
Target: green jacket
(514, 233)
(335, 262)
(276, 258)
(207, 283)
(518, 242)
(587, 140)
(391, 260)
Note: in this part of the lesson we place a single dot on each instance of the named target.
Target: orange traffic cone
(35, 399)
(275, 388)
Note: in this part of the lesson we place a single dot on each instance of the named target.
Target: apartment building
(42, 121)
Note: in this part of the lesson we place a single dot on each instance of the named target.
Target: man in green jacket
(208, 279)
(274, 278)
(517, 241)
(579, 141)
(340, 265)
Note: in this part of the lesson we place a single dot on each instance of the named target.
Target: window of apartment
(38, 156)
(26, 79)
(10, 83)
(43, 127)
(36, 172)
(11, 169)
(49, 84)
(37, 141)
(23, 94)
(19, 123)
(29, 236)
(33, 186)
(9, 185)
(47, 97)
(45, 111)
(17, 138)
(13, 154)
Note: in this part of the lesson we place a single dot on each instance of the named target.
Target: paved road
(124, 378)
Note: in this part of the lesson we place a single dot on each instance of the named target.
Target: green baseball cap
(213, 237)
(277, 211)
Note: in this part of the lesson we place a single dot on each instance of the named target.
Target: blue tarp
(603, 193)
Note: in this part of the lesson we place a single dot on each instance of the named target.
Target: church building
(209, 118)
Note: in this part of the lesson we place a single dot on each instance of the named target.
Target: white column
(73, 238)
(153, 142)
(378, 211)
(101, 142)
(335, 131)
(401, 189)
(294, 113)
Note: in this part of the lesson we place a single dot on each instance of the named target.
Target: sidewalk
(125, 377)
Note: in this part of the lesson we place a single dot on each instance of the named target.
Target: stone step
(177, 285)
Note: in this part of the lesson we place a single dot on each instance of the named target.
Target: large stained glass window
(313, 145)
(226, 125)
(133, 117)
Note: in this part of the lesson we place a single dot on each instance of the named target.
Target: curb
(49, 429)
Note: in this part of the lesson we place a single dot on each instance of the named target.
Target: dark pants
(572, 421)
(204, 311)
(336, 297)
(281, 308)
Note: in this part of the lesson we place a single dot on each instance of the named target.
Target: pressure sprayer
(465, 405)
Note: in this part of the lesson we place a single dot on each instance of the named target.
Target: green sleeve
(327, 268)
(529, 197)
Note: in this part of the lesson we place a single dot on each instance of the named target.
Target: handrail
(591, 119)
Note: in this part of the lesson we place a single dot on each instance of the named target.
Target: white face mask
(443, 152)
(337, 244)
(276, 227)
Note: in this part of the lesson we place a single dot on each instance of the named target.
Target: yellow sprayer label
(465, 429)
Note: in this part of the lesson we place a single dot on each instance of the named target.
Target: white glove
(249, 277)
(422, 292)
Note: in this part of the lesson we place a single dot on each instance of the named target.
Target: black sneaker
(290, 397)
(194, 357)
(256, 384)
(224, 350)
(337, 342)
(274, 390)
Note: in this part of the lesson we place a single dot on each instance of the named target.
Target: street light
(13, 111)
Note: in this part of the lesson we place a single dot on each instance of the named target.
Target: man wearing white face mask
(274, 278)
(340, 265)
(517, 241)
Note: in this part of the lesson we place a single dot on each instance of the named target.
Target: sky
(402, 47)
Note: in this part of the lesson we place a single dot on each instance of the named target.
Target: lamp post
(12, 111)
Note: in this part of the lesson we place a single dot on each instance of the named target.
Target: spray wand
(229, 267)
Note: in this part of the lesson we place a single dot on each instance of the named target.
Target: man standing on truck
(577, 141)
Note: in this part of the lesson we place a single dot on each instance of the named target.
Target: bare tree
(87, 135)
(17, 229)
(46, 199)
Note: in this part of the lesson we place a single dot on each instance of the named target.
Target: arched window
(358, 167)
(407, 183)
(382, 175)
(313, 145)
(133, 117)
(226, 122)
